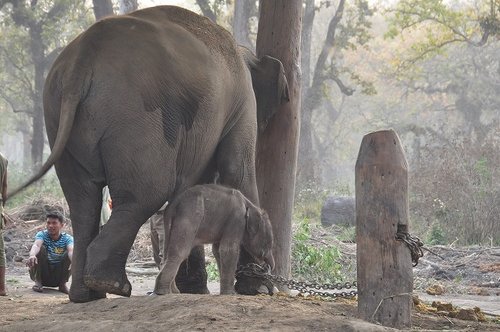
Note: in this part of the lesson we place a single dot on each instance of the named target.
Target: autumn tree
(33, 33)
(441, 32)
(348, 29)
(451, 63)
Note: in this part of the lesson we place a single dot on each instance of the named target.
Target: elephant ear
(251, 222)
(269, 84)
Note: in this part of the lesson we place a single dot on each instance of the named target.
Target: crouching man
(50, 255)
(217, 215)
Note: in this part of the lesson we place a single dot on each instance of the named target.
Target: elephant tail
(69, 106)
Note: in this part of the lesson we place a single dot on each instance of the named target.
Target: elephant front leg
(107, 254)
(79, 292)
(236, 166)
(192, 275)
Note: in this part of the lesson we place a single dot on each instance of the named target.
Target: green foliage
(436, 235)
(312, 262)
(212, 271)
(354, 29)
(431, 25)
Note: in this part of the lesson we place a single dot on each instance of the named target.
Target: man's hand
(32, 261)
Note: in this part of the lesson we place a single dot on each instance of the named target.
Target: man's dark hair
(56, 215)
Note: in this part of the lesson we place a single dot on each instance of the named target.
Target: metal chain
(253, 270)
(414, 244)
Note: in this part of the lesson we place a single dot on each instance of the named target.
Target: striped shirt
(55, 248)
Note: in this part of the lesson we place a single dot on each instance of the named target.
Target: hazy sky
(180, 3)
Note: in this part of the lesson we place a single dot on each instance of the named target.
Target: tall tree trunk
(102, 8)
(306, 171)
(279, 36)
(127, 6)
(207, 10)
(38, 57)
(243, 10)
(313, 97)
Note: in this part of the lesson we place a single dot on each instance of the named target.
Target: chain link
(414, 244)
(253, 270)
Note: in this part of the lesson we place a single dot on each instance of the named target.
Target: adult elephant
(149, 103)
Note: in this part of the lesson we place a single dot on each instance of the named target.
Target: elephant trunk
(269, 259)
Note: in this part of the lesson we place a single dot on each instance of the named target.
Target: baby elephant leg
(229, 253)
(165, 280)
(179, 246)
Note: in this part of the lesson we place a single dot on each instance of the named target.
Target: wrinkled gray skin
(217, 215)
(149, 103)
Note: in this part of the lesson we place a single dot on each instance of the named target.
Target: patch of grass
(12, 281)
(347, 234)
(318, 262)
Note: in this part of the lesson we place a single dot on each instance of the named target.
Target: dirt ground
(26, 310)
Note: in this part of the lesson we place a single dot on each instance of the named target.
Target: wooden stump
(384, 267)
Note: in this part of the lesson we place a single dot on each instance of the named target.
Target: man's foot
(63, 288)
(3, 293)
(37, 288)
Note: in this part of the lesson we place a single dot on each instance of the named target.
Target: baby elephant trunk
(269, 259)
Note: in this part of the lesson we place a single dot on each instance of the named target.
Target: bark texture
(277, 147)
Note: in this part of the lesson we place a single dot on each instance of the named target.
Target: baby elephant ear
(251, 223)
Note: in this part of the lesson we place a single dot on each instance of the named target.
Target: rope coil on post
(413, 243)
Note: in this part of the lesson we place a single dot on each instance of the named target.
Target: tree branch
(51, 57)
(422, 55)
(485, 27)
(329, 42)
(206, 10)
(56, 10)
(21, 72)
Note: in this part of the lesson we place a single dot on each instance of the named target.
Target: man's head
(55, 222)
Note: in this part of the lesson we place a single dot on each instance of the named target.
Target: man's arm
(35, 249)
(70, 252)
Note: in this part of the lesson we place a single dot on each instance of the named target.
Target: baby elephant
(219, 215)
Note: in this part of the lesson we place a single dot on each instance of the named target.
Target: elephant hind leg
(84, 199)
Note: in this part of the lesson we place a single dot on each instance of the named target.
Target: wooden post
(384, 267)
(280, 24)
